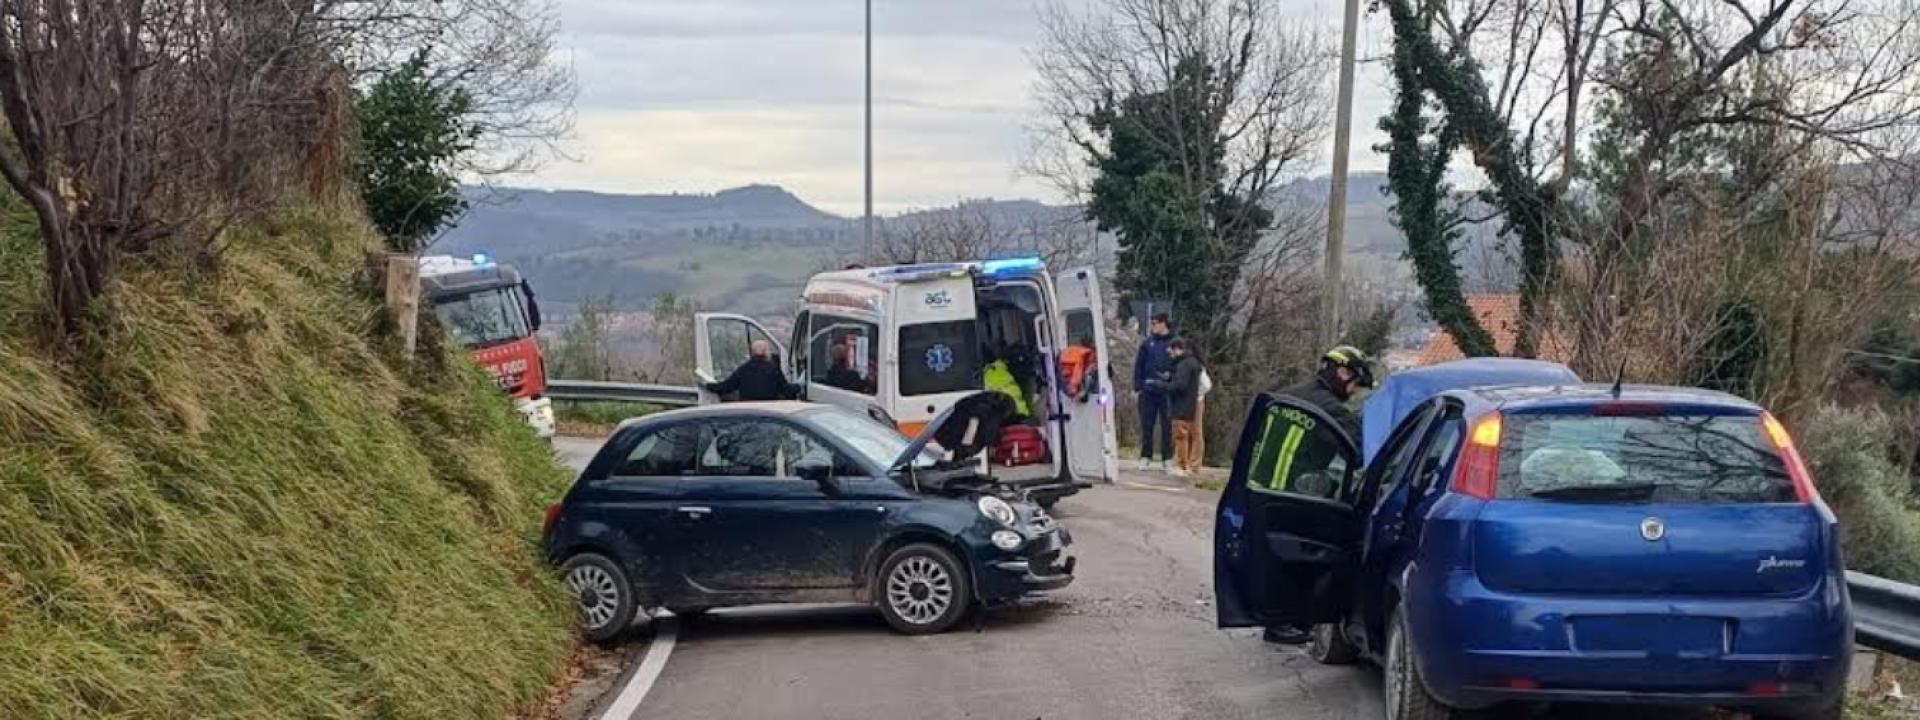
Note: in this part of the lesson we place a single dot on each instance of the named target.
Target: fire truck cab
(490, 309)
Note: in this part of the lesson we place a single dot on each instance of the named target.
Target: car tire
(1329, 646)
(922, 589)
(1406, 691)
(602, 593)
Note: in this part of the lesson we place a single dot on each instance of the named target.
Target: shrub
(1847, 451)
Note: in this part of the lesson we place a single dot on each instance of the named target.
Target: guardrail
(1886, 614)
(664, 395)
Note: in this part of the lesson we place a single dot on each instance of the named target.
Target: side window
(732, 341)
(1441, 444)
(761, 448)
(939, 358)
(667, 452)
(1080, 359)
(1397, 454)
(1080, 327)
(846, 353)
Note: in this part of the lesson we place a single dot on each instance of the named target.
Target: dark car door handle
(694, 511)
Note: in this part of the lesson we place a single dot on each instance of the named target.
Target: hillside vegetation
(237, 501)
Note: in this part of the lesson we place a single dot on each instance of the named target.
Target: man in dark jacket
(759, 378)
(1182, 391)
(1343, 371)
(1153, 362)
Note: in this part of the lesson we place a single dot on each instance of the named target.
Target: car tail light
(1790, 455)
(1766, 688)
(1522, 683)
(553, 516)
(1479, 473)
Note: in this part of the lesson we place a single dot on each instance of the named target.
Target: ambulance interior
(1014, 334)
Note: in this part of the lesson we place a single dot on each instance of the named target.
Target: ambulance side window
(845, 352)
(939, 357)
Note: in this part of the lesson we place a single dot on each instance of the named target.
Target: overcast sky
(702, 95)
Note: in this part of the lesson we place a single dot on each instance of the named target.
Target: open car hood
(963, 430)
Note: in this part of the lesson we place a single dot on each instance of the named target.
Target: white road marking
(1144, 486)
(666, 631)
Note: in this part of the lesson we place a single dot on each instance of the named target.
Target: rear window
(1676, 458)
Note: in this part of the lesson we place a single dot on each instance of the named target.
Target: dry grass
(239, 503)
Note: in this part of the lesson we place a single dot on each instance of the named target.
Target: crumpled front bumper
(1039, 566)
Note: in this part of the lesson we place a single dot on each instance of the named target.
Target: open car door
(1092, 452)
(1286, 540)
(722, 342)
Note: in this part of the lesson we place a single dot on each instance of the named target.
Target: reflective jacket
(999, 378)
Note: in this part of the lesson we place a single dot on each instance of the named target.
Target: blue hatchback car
(1544, 544)
(753, 503)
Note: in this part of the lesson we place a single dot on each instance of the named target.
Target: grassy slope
(245, 510)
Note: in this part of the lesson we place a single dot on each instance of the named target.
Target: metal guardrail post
(1886, 614)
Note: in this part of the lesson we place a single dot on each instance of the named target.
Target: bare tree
(1227, 99)
(148, 125)
(977, 230)
(1268, 103)
(500, 53)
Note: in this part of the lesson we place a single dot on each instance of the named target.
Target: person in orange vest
(1076, 368)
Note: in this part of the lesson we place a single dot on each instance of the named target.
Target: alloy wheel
(920, 590)
(596, 592)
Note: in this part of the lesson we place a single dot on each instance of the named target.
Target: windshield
(874, 441)
(486, 317)
(1690, 459)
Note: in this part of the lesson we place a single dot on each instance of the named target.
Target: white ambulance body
(902, 343)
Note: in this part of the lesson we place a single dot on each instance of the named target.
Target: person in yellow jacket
(999, 378)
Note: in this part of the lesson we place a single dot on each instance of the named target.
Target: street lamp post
(867, 218)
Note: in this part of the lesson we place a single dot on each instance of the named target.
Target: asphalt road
(1133, 637)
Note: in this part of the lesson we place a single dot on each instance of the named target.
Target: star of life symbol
(939, 358)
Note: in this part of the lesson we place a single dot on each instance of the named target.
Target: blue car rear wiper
(1610, 492)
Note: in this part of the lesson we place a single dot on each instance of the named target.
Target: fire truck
(490, 308)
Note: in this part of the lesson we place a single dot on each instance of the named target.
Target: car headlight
(998, 510)
(1007, 539)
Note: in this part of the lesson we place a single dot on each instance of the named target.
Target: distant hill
(749, 249)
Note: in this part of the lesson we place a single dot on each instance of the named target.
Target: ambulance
(903, 343)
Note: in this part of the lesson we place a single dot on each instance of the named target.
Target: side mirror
(533, 306)
(819, 471)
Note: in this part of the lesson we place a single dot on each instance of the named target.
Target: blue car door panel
(748, 524)
(1286, 537)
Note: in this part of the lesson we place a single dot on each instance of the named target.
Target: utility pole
(867, 219)
(1334, 292)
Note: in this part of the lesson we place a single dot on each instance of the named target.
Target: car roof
(1405, 390)
(780, 408)
(1523, 398)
